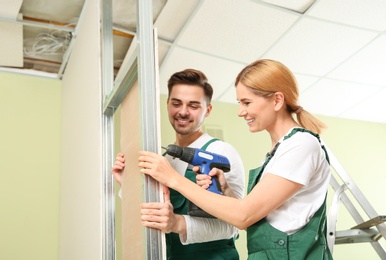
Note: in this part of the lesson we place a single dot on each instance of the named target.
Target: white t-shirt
(300, 159)
(209, 229)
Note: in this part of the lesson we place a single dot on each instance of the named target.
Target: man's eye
(176, 104)
(193, 107)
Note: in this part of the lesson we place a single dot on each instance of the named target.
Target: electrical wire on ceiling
(53, 43)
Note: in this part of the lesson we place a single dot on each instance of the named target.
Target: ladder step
(357, 236)
(370, 223)
(361, 232)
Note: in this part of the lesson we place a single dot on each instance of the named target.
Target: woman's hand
(204, 180)
(158, 167)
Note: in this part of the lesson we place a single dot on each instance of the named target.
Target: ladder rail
(346, 201)
(349, 184)
(333, 217)
(356, 192)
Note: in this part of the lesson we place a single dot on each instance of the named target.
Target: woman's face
(257, 111)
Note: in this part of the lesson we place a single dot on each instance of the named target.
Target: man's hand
(118, 167)
(159, 215)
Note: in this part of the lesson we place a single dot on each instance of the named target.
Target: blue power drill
(206, 161)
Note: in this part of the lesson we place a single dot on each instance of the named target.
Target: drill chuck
(185, 154)
(174, 150)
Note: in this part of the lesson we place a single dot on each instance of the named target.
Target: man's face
(187, 108)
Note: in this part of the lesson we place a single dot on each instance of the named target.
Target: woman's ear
(279, 100)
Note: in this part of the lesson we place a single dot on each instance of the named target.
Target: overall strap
(208, 143)
(294, 131)
(312, 133)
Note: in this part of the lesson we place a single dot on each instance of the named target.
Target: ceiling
(336, 48)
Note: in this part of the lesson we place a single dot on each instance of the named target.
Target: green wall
(29, 168)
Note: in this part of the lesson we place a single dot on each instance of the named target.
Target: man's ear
(279, 100)
(208, 110)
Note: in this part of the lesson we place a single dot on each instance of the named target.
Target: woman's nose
(241, 112)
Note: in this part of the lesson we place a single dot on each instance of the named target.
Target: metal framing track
(107, 74)
(141, 65)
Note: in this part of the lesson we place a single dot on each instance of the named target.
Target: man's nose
(184, 110)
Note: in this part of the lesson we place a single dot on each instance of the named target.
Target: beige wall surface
(81, 194)
(29, 168)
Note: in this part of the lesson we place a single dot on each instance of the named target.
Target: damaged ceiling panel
(37, 34)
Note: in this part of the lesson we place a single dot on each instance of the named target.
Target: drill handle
(215, 186)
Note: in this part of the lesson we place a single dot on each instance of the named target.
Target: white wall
(81, 176)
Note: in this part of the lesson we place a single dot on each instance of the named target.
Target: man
(189, 237)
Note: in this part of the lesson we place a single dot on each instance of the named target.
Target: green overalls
(266, 242)
(213, 250)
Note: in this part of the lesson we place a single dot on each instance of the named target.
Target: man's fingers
(153, 207)
(118, 165)
(166, 194)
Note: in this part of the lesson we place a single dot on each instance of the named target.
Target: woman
(285, 210)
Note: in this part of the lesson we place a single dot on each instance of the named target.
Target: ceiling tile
(367, 66)
(236, 30)
(180, 11)
(53, 10)
(220, 73)
(11, 45)
(315, 47)
(361, 13)
(305, 81)
(372, 109)
(333, 98)
(10, 8)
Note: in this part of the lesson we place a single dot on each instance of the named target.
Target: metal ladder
(371, 230)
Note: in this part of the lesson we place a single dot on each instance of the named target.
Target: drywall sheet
(133, 234)
(81, 190)
(11, 44)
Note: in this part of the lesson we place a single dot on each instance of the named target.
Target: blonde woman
(284, 212)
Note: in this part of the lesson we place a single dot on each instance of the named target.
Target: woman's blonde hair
(266, 77)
